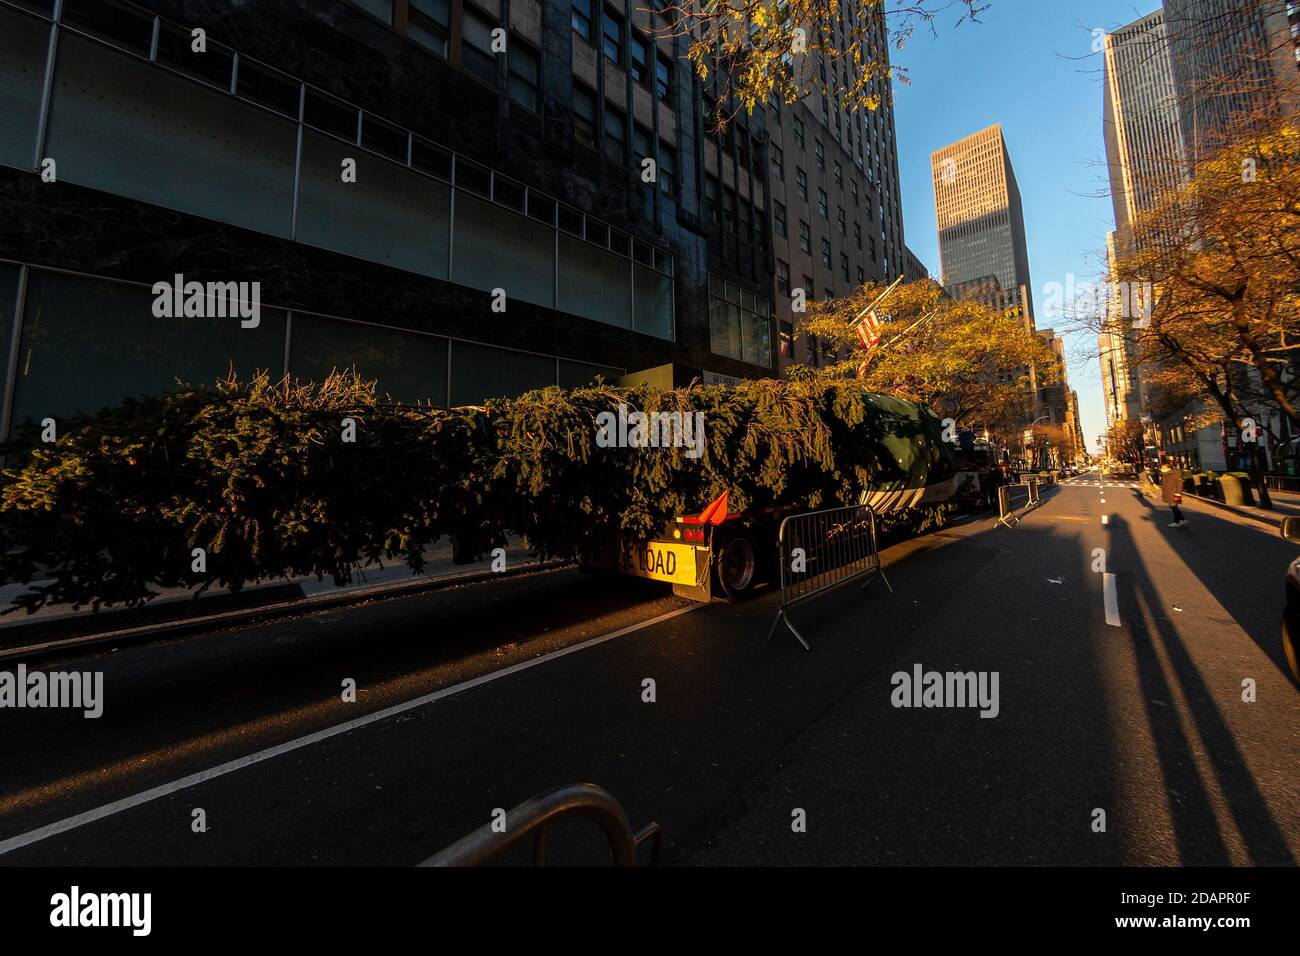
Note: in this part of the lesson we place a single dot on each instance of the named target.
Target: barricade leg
(784, 617)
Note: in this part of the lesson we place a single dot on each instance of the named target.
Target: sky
(1029, 65)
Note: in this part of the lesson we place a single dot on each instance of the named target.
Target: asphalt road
(478, 697)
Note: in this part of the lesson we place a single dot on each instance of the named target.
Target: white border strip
(154, 793)
(1111, 597)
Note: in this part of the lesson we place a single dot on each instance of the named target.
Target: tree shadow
(1196, 828)
(1208, 546)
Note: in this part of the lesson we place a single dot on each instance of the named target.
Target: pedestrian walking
(1171, 493)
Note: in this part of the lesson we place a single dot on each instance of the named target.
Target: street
(476, 698)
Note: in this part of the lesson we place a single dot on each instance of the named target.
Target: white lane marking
(1111, 598)
(1103, 501)
(203, 776)
(1105, 519)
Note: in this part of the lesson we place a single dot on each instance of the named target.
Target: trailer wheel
(737, 569)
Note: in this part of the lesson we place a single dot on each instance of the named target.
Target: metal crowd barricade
(534, 815)
(823, 550)
(1007, 513)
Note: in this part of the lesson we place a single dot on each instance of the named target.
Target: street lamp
(1024, 445)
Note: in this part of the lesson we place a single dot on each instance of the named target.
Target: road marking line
(1105, 519)
(203, 776)
(1111, 597)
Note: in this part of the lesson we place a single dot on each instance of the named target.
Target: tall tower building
(836, 217)
(1145, 149)
(1146, 155)
(981, 223)
(1232, 60)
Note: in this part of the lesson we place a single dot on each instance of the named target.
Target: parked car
(1291, 616)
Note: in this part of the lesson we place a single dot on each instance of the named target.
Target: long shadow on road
(1167, 673)
(1237, 564)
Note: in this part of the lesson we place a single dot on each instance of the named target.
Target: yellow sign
(659, 561)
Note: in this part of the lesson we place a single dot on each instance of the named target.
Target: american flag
(868, 329)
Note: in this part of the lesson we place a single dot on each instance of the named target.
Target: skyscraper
(1232, 60)
(981, 224)
(1145, 156)
(1145, 150)
(836, 208)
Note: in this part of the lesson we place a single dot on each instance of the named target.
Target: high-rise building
(447, 195)
(981, 223)
(1117, 349)
(1233, 61)
(1145, 151)
(1146, 156)
(914, 269)
(836, 216)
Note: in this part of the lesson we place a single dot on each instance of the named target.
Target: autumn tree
(1221, 255)
(965, 360)
(765, 50)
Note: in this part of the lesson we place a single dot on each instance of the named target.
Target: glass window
(640, 63)
(778, 218)
(667, 169)
(266, 87)
(579, 374)
(23, 43)
(584, 116)
(383, 9)
(594, 283)
(582, 18)
(480, 372)
(724, 328)
(476, 46)
(383, 138)
(663, 77)
(408, 367)
(8, 302)
(119, 23)
(801, 183)
(90, 343)
(333, 116)
(209, 154)
(430, 159)
(175, 49)
(429, 23)
(615, 134)
(805, 236)
(611, 39)
(653, 302)
(494, 248)
(390, 215)
(525, 74)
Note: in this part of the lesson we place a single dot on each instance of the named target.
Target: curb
(148, 633)
(1262, 519)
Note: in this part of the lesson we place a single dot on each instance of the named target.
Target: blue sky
(1029, 65)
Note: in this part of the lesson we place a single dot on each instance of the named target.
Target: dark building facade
(449, 197)
(836, 210)
(981, 223)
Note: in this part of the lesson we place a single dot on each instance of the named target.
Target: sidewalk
(180, 607)
(1285, 504)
